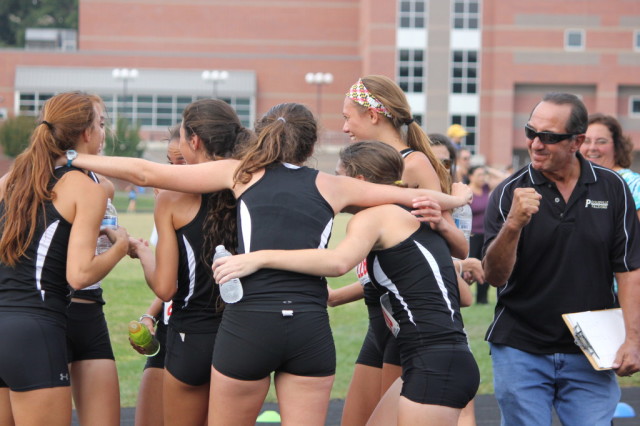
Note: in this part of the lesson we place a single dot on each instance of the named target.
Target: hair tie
(49, 125)
(411, 120)
(282, 119)
(398, 183)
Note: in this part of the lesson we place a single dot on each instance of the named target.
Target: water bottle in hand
(462, 216)
(110, 220)
(141, 336)
(231, 291)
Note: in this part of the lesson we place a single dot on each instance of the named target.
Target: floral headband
(362, 96)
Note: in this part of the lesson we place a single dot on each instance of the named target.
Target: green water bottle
(141, 336)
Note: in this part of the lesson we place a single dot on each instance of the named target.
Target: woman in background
(606, 146)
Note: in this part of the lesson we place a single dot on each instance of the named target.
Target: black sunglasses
(546, 137)
(446, 162)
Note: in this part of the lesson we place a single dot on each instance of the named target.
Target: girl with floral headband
(375, 108)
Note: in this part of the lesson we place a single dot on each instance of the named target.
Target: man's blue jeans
(527, 386)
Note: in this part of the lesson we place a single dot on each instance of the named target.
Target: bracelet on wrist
(155, 321)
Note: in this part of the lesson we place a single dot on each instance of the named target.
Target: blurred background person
(463, 162)
(478, 182)
(606, 146)
(470, 268)
(455, 133)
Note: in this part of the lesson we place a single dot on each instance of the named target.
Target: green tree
(124, 141)
(18, 15)
(15, 133)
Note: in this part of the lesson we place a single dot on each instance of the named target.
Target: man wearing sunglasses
(556, 232)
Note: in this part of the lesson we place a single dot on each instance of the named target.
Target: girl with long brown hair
(50, 220)
(189, 226)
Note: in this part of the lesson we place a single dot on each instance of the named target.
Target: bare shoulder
(390, 223)
(107, 185)
(75, 191)
(173, 201)
(333, 188)
(180, 207)
(78, 180)
(419, 172)
(418, 162)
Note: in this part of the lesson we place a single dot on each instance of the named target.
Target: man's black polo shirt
(566, 256)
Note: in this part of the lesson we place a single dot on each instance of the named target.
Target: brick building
(480, 63)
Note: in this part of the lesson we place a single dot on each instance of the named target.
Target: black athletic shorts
(157, 361)
(440, 375)
(189, 356)
(379, 345)
(250, 345)
(33, 351)
(87, 333)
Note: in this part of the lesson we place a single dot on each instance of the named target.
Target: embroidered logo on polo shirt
(596, 204)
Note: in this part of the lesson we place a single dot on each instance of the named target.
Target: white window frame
(572, 31)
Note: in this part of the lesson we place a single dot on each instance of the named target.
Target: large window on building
(157, 112)
(412, 13)
(464, 71)
(636, 40)
(411, 70)
(469, 124)
(466, 14)
(31, 103)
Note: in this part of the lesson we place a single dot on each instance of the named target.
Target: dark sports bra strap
(406, 152)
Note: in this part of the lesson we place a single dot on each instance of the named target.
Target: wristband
(155, 321)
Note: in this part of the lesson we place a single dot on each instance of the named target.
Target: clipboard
(599, 334)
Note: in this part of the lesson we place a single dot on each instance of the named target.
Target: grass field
(128, 296)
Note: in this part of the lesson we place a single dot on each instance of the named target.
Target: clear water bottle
(110, 220)
(231, 291)
(462, 216)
